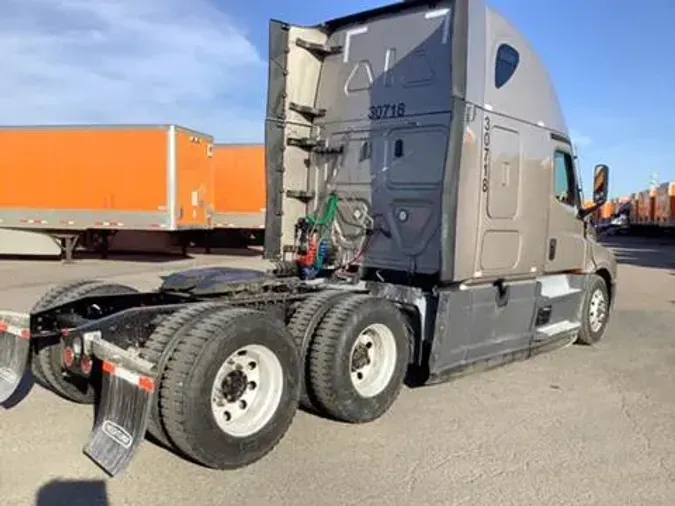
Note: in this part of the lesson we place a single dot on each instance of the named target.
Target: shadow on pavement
(652, 252)
(73, 493)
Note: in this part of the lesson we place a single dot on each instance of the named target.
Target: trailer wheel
(47, 359)
(160, 346)
(231, 388)
(358, 359)
(302, 326)
(594, 311)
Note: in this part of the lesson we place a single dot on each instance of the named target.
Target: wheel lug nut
(228, 416)
(242, 404)
(252, 385)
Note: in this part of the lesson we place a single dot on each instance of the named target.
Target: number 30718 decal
(386, 111)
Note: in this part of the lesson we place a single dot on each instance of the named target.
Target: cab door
(566, 244)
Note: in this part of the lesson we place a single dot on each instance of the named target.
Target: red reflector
(25, 334)
(3, 327)
(86, 364)
(68, 356)
(145, 383)
(109, 367)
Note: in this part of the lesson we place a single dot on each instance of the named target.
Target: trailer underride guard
(408, 246)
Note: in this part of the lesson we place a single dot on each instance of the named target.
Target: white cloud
(129, 61)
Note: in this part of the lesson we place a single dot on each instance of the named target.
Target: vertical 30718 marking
(486, 152)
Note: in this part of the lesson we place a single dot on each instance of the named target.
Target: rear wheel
(49, 299)
(231, 388)
(302, 326)
(160, 346)
(358, 359)
(48, 357)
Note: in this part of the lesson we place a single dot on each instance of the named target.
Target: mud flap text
(122, 417)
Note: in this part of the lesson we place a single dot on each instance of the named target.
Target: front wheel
(594, 311)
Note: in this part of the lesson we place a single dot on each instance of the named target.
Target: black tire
(588, 336)
(51, 298)
(330, 383)
(186, 388)
(302, 327)
(47, 358)
(159, 348)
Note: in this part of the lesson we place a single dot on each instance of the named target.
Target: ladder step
(318, 48)
(301, 195)
(302, 142)
(307, 110)
(314, 145)
(554, 329)
(554, 287)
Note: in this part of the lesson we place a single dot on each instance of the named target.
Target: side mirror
(600, 184)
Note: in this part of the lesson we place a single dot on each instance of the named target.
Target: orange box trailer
(68, 179)
(608, 209)
(645, 207)
(633, 199)
(239, 186)
(664, 213)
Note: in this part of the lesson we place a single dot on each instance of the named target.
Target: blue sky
(203, 64)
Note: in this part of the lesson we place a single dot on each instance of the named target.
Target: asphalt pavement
(577, 426)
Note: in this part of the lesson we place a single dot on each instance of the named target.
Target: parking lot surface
(578, 426)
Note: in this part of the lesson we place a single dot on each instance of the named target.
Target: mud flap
(128, 385)
(14, 351)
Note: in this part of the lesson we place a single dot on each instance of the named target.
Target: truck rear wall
(95, 176)
(239, 186)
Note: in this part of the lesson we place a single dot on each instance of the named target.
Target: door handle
(551, 248)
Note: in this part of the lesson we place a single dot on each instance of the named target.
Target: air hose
(315, 240)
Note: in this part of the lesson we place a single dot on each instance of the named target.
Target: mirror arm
(587, 211)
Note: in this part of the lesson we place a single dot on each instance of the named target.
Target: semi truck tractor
(424, 219)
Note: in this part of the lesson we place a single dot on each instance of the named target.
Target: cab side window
(564, 189)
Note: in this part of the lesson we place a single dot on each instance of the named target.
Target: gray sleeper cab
(440, 129)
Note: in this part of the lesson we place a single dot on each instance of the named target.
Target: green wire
(329, 214)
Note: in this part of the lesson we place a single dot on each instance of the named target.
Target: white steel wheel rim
(247, 390)
(373, 360)
(597, 310)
